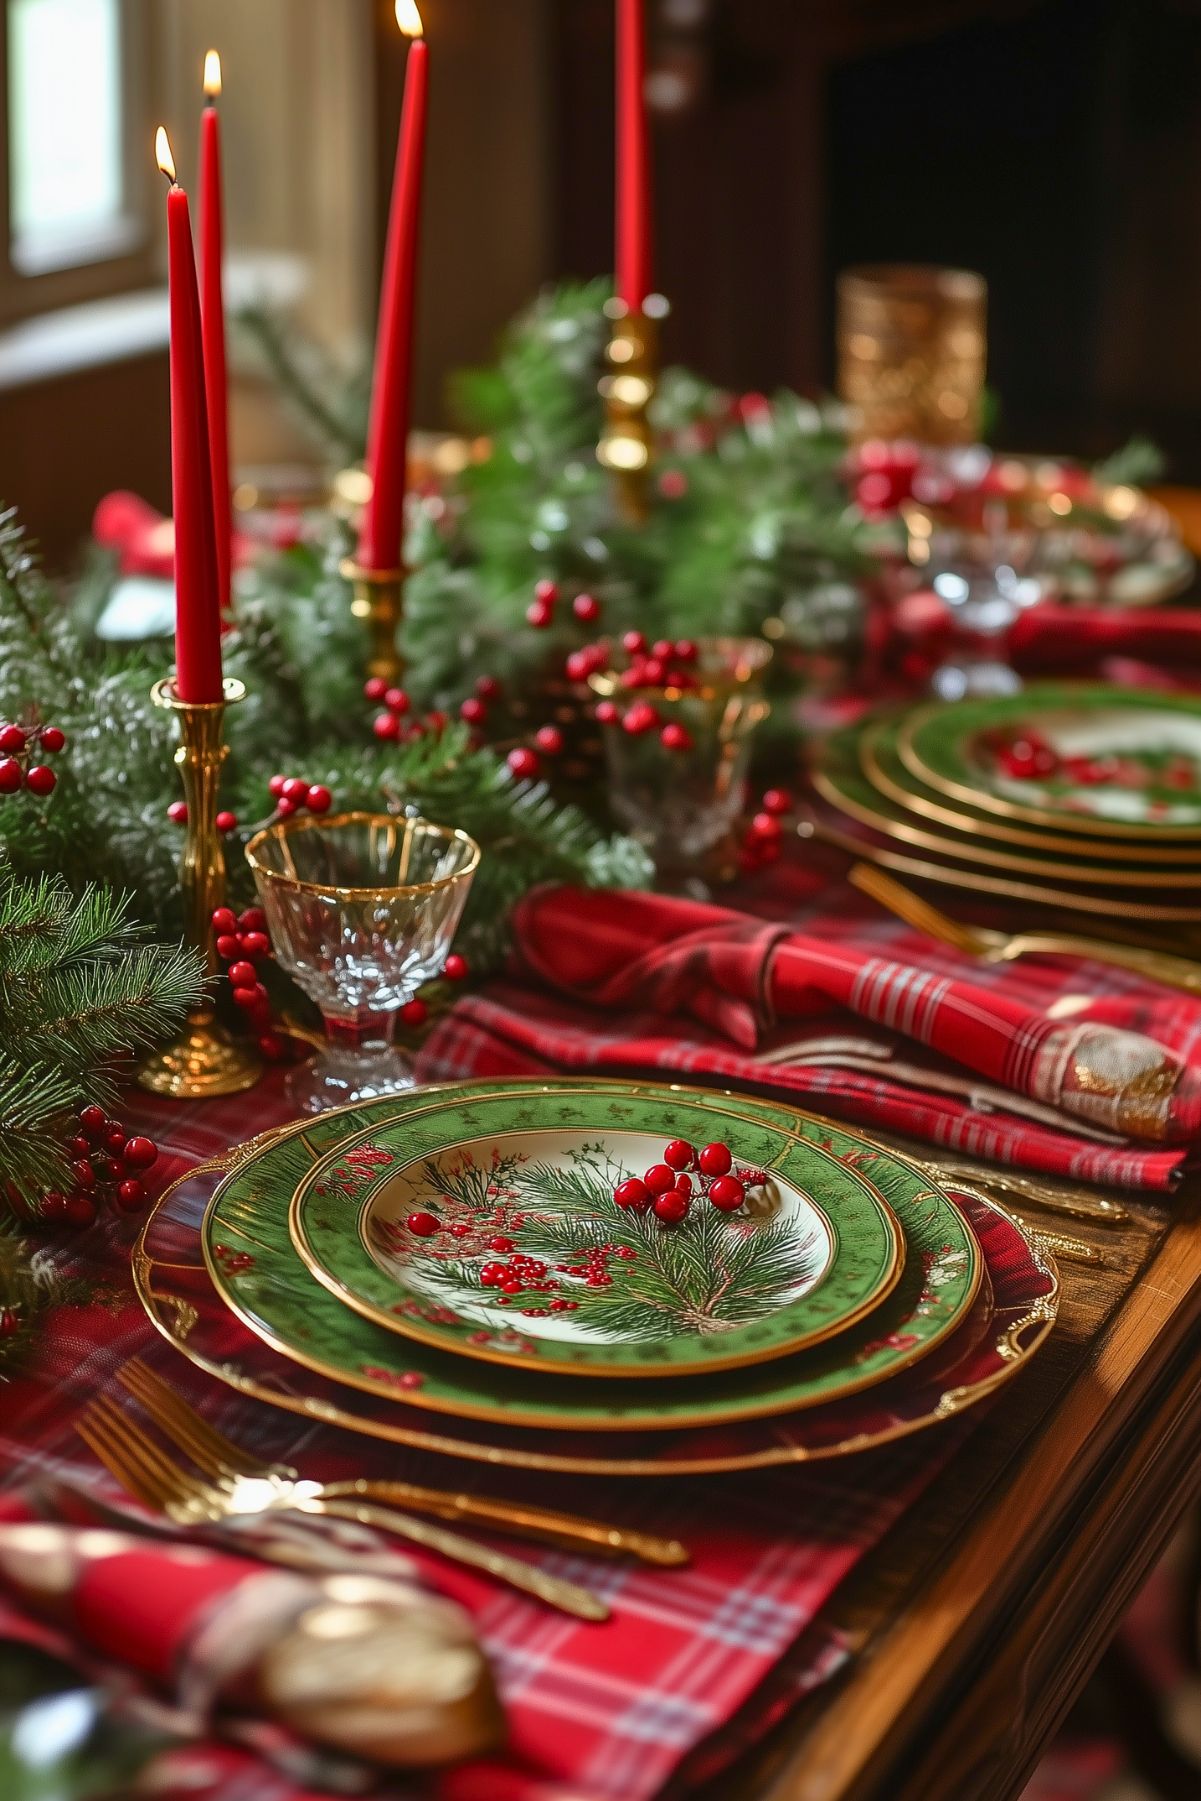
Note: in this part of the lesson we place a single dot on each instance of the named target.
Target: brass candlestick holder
(205, 1060)
(377, 597)
(626, 448)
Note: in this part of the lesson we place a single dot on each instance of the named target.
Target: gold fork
(145, 1470)
(1003, 947)
(221, 1459)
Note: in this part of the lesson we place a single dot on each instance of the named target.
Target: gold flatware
(1003, 947)
(1097, 1210)
(219, 1457)
(140, 1465)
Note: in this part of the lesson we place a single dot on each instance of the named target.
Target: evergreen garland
(80, 989)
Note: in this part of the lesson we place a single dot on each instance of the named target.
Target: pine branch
(35, 1100)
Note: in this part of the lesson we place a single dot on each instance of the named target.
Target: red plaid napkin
(811, 992)
(694, 1663)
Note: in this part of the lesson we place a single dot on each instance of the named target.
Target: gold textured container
(912, 346)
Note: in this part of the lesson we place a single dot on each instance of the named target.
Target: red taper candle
(380, 541)
(197, 612)
(212, 318)
(633, 158)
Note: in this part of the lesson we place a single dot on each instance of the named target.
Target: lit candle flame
(409, 19)
(162, 152)
(212, 74)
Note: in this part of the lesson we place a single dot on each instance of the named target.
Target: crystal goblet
(362, 909)
(681, 801)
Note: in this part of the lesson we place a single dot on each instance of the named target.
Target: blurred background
(1053, 145)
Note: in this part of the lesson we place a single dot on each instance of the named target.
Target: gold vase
(204, 1060)
(911, 352)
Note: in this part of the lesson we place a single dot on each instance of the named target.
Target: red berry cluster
(106, 1164)
(668, 1189)
(19, 745)
(414, 1013)
(513, 1274)
(541, 611)
(764, 835)
(393, 726)
(292, 794)
(666, 665)
(242, 942)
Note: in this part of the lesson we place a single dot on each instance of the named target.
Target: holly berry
(53, 1205)
(549, 738)
(678, 1154)
(473, 711)
(177, 812)
(295, 790)
(686, 650)
(766, 826)
(9, 1322)
(226, 822)
(607, 712)
(675, 736)
(456, 968)
(12, 776)
(633, 643)
(386, 726)
(632, 1193)
(225, 920)
(374, 688)
(243, 975)
(40, 778)
(51, 739)
(586, 608)
(255, 944)
(547, 592)
(251, 919)
(285, 807)
(320, 798)
(671, 1209)
(640, 719)
(275, 786)
(80, 1209)
(272, 1047)
(488, 688)
(538, 615)
(12, 738)
(502, 1244)
(579, 666)
(422, 1225)
(114, 1140)
(83, 1172)
(715, 1159)
(229, 945)
(659, 1178)
(131, 1194)
(777, 800)
(524, 764)
(414, 1013)
(93, 1120)
(727, 1193)
(397, 701)
(140, 1152)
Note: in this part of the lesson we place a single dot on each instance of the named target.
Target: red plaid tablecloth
(808, 991)
(693, 1664)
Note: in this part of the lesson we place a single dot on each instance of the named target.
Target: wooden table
(979, 1620)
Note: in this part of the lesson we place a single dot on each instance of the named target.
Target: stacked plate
(1080, 798)
(451, 1270)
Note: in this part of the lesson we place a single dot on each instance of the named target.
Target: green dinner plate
(881, 762)
(843, 780)
(256, 1269)
(1146, 746)
(528, 1189)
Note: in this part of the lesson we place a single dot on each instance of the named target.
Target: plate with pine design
(597, 1234)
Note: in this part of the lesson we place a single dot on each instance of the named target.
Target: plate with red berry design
(579, 1236)
(1109, 762)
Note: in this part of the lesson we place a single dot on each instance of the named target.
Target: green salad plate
(1103, 761)
(476, 1218)
(845, 780)
(255, 1266)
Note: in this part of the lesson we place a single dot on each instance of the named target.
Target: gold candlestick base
(626, 448)
(204, 1060)
(377, 597)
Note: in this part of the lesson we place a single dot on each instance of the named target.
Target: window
(74, 193)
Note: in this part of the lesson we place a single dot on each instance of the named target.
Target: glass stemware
(362, 909)
(681, 803)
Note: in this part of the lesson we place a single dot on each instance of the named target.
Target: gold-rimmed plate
(882, 764)
(844, 784)
(1145, 749)
(254, 1265)
(417, 1221)
(993, 1343)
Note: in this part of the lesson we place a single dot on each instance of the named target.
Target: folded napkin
(369, 1668)
(1057, 1064)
